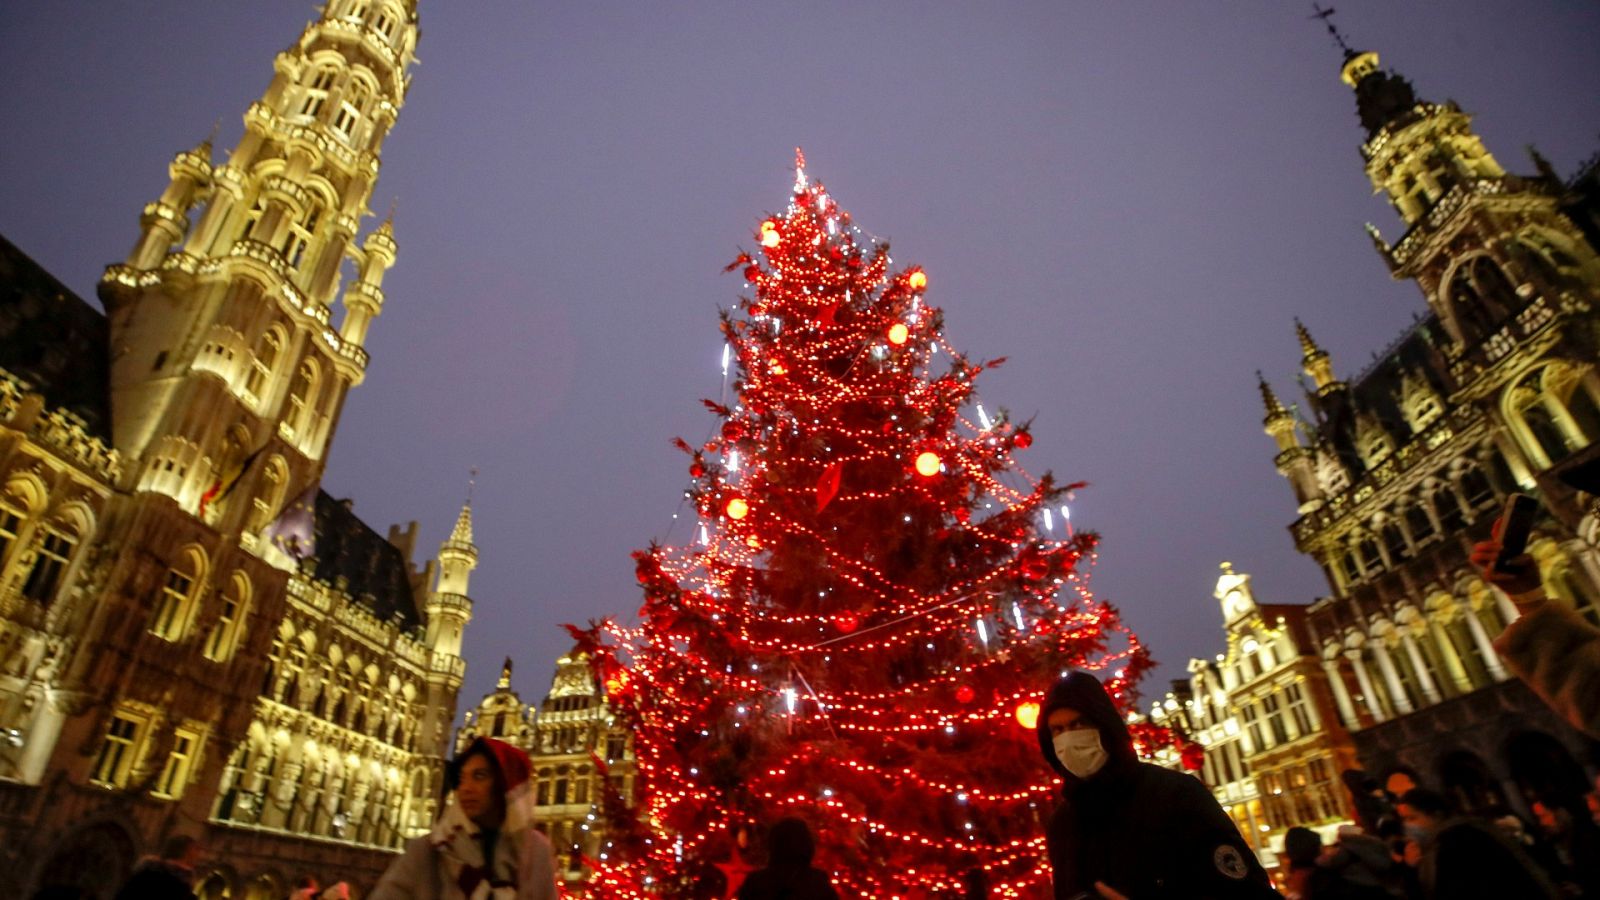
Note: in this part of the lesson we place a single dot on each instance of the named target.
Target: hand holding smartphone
(1514, 528)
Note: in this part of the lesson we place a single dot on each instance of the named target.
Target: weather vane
(1326, 15)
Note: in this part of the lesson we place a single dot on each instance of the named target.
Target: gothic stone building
(1401, 469)
(578, 753)
(193, 638)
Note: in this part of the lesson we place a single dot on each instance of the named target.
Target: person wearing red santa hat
(484, 845)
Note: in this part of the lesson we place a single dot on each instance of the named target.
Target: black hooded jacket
(789, 874)
(1147, 832)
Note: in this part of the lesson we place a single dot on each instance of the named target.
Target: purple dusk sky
(1130, 200)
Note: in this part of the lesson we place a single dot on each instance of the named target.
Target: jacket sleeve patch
(1230, 862)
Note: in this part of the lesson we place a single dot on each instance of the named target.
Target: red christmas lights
(866, 652)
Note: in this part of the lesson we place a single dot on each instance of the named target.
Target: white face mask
(1080, 751)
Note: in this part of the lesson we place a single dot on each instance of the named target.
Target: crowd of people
(1421, 848)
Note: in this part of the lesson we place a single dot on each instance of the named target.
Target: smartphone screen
(1516, 525)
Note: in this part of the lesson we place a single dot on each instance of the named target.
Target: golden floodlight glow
(738, 508)
(928, 463)
(1028, 715)
(898, 332)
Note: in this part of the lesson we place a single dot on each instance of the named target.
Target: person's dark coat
(789, 874)
(1145, 831)
(1468, 859)
(158, 879)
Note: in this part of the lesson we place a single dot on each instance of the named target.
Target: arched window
(49, 564)
(263, 362)
(299, 237)
(302, 399)
(352, 108)
(1447, 508)
(1418, 523)
(1394, 541)
(356, 10)
(1475, 486)
(316, 91)
(269, 495)
(1480, 296)
(1370, 558)
(10, 526)
(179, 590)
(225, 633)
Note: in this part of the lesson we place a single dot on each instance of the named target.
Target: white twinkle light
(984, 418)
(790, 698)
(733, 460)
(1016, 611)
(1049, 520)
(727, 354)
(705, 536)
(983, 633)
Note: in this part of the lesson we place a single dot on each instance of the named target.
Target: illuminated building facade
(194, 638)
(1264, 712)
(1399, 470)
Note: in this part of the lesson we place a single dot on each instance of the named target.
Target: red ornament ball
(847, 622)
(965, 693)
(1023, 440)
(1035, 568)
(731, 431)
(696, 470)
(751, 273)
(1193, 757)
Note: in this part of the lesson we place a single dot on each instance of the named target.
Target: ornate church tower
(448, 610)
(1479, 243)
(1494, 390)
(223, 332)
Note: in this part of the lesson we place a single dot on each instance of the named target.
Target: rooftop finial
(1308, 346)
(505, 675)
(1326, 15)
(472, 483)
(1268, 398)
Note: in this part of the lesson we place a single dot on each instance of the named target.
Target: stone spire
(1315, 360)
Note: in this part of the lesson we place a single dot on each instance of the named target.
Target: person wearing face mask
(1128, 829)
(1465, 859)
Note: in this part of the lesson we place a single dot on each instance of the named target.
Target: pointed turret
(1316, 362)
(1382, 98)
(458, 555)
(1269, 400)
(1294, 461)
(462, 533)
(1416, 151)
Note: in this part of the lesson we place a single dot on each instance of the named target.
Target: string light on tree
(858, 632)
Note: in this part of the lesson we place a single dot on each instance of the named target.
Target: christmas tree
(873, 600)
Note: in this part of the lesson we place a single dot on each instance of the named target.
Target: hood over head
(1083, 692)
(514, 779)
(790, 845)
